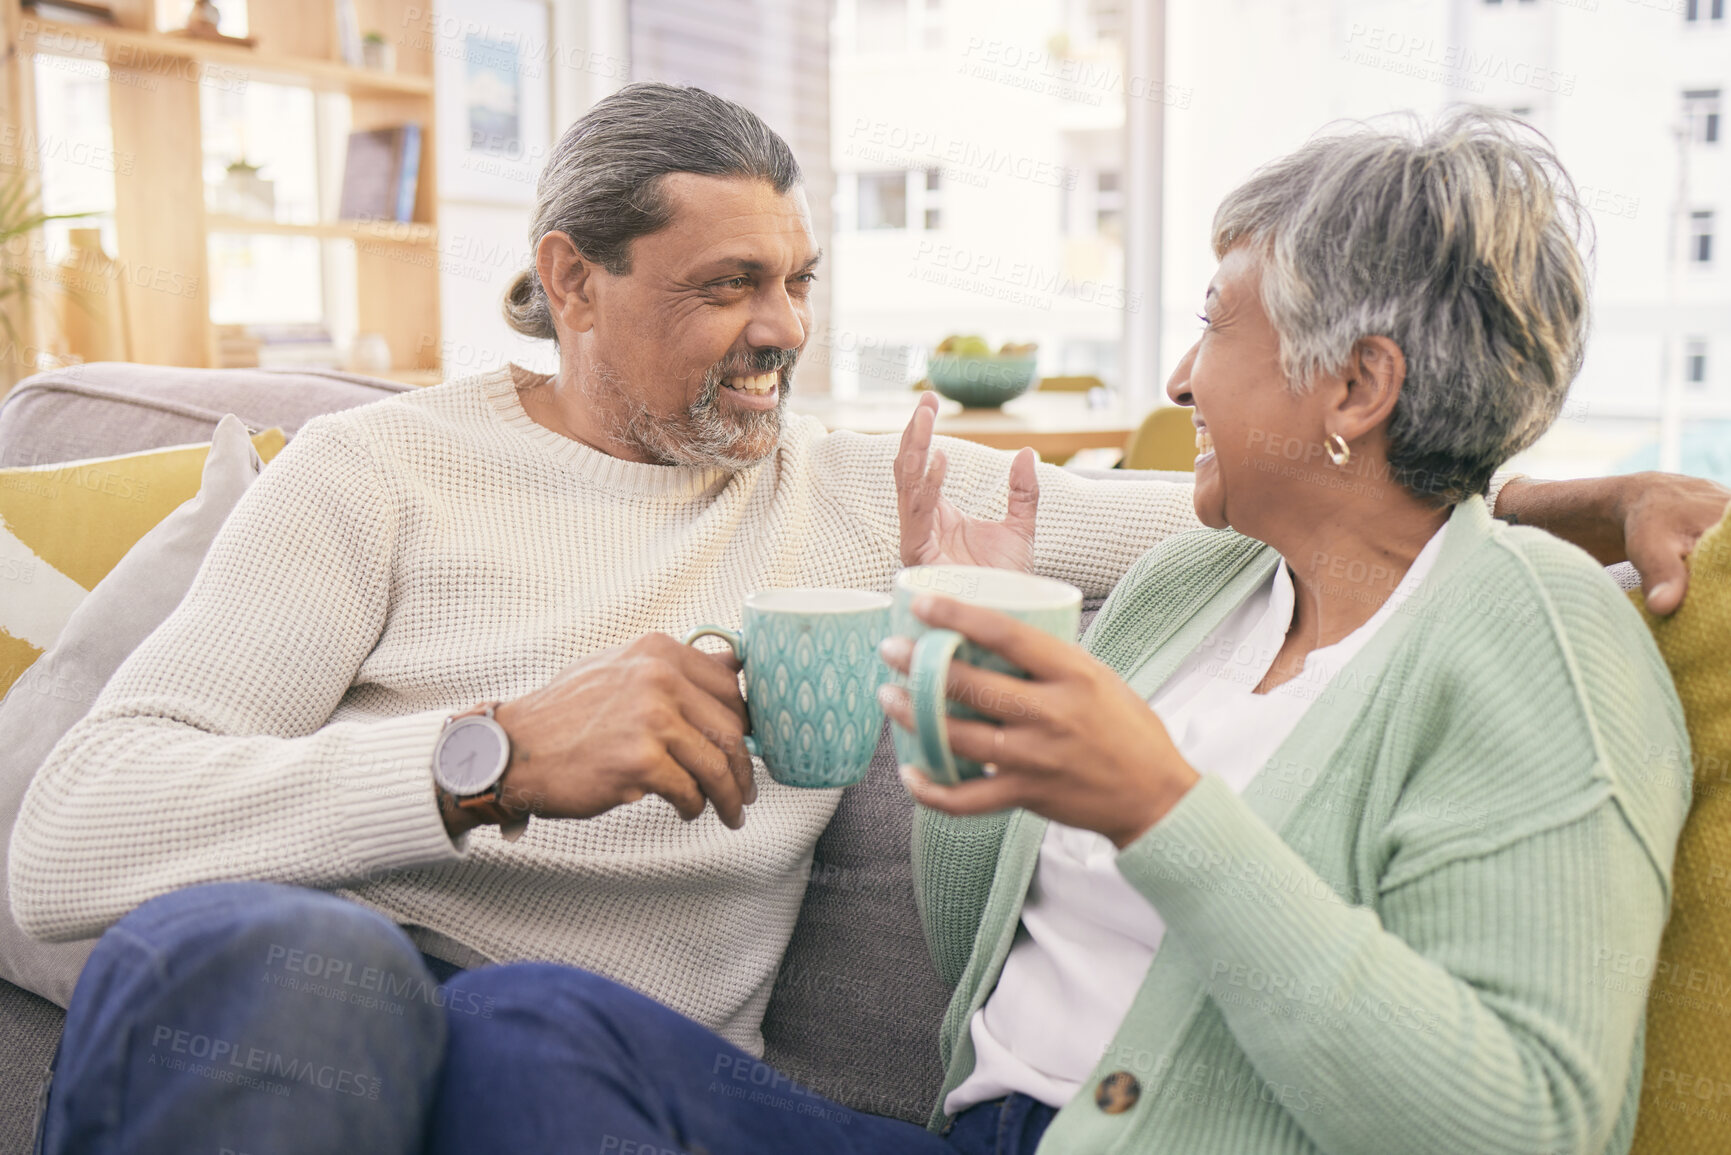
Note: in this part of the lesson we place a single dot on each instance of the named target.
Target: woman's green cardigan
(1427, 925)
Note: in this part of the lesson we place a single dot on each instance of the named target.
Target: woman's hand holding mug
(1071, 742)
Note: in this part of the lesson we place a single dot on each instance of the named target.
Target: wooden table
(1055, 424)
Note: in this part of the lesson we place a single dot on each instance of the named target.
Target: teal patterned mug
(1052, 606)
(811, 679)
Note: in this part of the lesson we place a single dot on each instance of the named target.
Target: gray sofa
(856, 1006)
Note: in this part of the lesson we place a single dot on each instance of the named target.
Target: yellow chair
(1683, 1086)
(1165, 440)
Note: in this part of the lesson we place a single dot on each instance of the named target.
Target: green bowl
(980, 382)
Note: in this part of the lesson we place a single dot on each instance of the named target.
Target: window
(1089, 358)
(1695, 362)
(883, 200)
(71, 159)
(934, 212)
(992, 140)
(928, 19)
(1701, 237)
(898, 200)
(1109, 204)
(1111, 19)
(74, 162)
(885, 368)
(1701, 115)
(261, 163)
(881, 25)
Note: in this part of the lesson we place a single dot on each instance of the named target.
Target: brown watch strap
(488, 809)
(487, 805)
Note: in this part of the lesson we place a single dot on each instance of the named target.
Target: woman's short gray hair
(602, 185)
(1460, 243)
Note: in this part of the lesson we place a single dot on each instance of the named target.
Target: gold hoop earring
(1339, 451)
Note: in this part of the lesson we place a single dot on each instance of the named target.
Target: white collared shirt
(1087, 936)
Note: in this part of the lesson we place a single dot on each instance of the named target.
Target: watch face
(470, 757)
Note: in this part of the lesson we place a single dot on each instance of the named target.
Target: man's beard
(708, 434)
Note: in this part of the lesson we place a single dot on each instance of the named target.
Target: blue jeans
(250, 1018)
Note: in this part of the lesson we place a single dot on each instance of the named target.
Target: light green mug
(811, 680)
(1052, 606)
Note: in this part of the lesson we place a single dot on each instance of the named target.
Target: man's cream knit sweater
(412, 557)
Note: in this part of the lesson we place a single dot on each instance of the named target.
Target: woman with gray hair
(1360, 880)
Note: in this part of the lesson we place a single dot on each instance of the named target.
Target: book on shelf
(275, 346)
(349, 34)
(381, 174)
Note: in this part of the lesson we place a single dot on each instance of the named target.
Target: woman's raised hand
(934, 531)
(1073, 744)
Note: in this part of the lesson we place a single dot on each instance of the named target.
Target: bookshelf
(156, 80)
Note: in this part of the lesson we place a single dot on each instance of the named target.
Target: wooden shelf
(387, 232)
(159, 86)
(151, 51)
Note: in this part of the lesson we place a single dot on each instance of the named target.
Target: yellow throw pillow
(1684, 1109)
(64, 526)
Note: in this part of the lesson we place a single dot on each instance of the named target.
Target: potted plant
(23, 274)
(377, 52)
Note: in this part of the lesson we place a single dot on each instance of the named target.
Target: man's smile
(760, 391)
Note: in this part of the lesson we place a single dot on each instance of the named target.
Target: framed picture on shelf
(493, 84)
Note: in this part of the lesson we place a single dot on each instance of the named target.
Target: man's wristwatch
(469, 762)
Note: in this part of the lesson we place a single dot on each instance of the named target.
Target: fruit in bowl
(965, 369)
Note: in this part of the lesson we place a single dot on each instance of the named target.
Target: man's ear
(568, 280)
(1374, 379)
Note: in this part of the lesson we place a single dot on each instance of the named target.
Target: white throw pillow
(57, 690)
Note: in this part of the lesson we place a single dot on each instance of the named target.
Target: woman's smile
(1204, 443)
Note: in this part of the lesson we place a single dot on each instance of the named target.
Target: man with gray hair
(264, 810)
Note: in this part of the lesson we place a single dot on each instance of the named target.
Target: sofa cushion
(1688, 1068)
(29, 1034)
(857, 1003)
(107, 407)
(63, 527)
(61, 686)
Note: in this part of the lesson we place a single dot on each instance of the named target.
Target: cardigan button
(1117, 1093)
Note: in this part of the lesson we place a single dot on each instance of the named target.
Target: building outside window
(883, 200)
(880, 25)
(1701, 237)
(1000, 117)
(1695, 363)
(934, 206)
(1022, 115)
(1701, 115)
(1109, 204)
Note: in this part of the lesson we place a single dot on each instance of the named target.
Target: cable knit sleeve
(207, 756)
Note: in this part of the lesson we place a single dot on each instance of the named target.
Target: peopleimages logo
(1426, 58)
(961, 161)
(988, 274)
(225, 1060)
(340, 978)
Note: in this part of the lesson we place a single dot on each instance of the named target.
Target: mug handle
(928, 674)
(735, 640)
